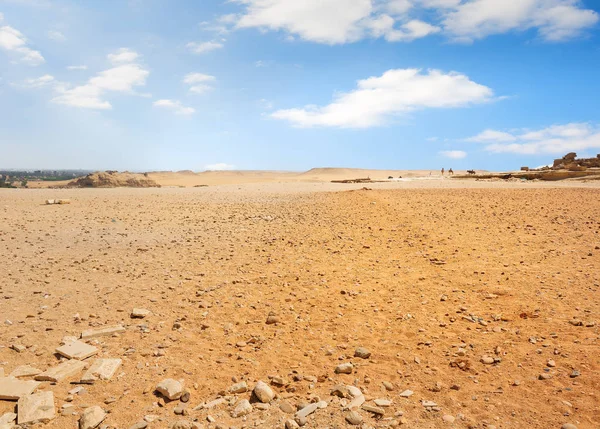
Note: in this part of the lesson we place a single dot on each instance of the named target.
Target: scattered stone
(575, 374)
(61, 371)
(185, 396)
(139, 425)
(354, 418)
(374, 410)
(406, 394)
(344, 368)
(109, 330)
(487, 360)
(286, 407)
(448, 418)
(544, 376)
(25, 371)
(18, 348)
(12, 389)
(309, 409)
(272, 318)
(362, 353)
(170, 389)
(383, 402)
(568, 426)
(429, 404)
(551, 363)
(354, 391)
(77, 350)
(263, 392)
(356, 402)
(36, 408)
(101, 369)
(240, 387)
(139, 313)
(7, 419)
(91, 418)
(242, 408)
(291, 424)
(340, 391)
(388, 386)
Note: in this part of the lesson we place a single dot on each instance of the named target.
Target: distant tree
(24, 183)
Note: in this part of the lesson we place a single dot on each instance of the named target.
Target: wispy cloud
(555, 140)
(15, 43)
(454, 154)
(38, 82)
(175, 106)
(219, 167)
(77, 67)
(57, 36)
(199, 83)
(204, 47)
(119, 79)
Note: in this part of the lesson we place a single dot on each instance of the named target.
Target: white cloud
(554, 140)
(200, 83)
(555, 20)
(454, 154)
(204, 47)
(175, 106)
(119, 79)
(13, 41)
(39, 82)
(492, 136)
(56, 36)
(122, 56)
(398, 91)
(219, 167)
(77, 67)
(398, 20)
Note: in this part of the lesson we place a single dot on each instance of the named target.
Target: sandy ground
(429, 276)
(183, 179)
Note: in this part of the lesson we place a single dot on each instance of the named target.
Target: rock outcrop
(113, 179)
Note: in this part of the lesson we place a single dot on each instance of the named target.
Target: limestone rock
(101, 369)
(263, 392)
(344, 368)
(170, 389)
(77, 350)
(362, 353)
(139, 313)
(36, 408)
(108, 330)
(242, 408)
(91, 418)
(25, 371)
(12, 389)
(61, 371)
(354, 418)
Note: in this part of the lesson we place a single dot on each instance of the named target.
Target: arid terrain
(478, 303)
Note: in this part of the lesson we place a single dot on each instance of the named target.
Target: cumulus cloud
(200, 83)
(14, 42)
(122, 78)
(396, 92)
(38, 82)
(57, 36)
(122, 56)
(454, 154)
(175, 106)
(553, 140)
(204, 47)
(555, 20)
(219, 167)
(492, 136)
(398, 20)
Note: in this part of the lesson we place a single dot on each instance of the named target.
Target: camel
(471, 172)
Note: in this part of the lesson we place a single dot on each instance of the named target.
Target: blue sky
(289, 85)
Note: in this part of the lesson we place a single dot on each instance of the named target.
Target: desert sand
(477, 303)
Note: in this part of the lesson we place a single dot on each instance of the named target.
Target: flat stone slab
(101, 369)
(12, 389)
(36, 408)
(91, 418)
(25, 371)
(62, 371)
(99, 332)
(77, 350)
(406, 393)
(356, 402)
(139, 313)
(7, 419)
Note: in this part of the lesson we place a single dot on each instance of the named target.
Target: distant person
(451, 172)
(443, 171)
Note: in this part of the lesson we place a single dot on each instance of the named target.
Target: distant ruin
(570, 162)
